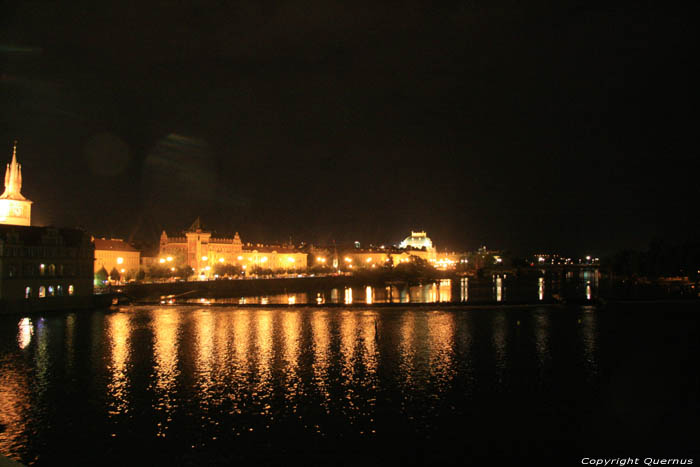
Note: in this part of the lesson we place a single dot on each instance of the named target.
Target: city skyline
(529, 129)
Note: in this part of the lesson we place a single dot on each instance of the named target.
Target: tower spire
(15, 209)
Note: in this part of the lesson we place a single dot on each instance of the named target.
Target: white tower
(15, 209)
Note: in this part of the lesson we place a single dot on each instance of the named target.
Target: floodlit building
(41, 268)
(417, 240)
(116, 253)
(15, 209)
(419, 244)
(202, 252)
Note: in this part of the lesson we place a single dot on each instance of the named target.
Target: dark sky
(560, 126)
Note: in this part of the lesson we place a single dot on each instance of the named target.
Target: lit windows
(42, 291)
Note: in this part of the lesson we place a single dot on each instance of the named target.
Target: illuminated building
(45, 268)
(15, 209)
(41, 268)
(116, 253)
(418, 240)
(202, 252)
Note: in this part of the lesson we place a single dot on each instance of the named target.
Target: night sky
(530, 126)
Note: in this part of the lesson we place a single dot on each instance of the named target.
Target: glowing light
(368, 295)
(369, 260)
(207, 268)
(244, 266)
(263, 259)
(292, 299)
(290, 259)
(204, 258)
(172, 269)
(170, 258)
(161, 261)
(221, 260)
(239, 258)
(26, 331)
(120, 260)
(348, 260)
(123, 270)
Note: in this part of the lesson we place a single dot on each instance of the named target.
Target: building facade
(15, 209)
(116, 254)
(201, 251)
(44, 266)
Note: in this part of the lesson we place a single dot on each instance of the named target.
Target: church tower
(15, 209)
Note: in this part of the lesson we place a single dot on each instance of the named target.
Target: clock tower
(15, 209)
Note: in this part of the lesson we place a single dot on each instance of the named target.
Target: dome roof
(417, 240)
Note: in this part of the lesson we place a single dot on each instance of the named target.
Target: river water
(188, 385)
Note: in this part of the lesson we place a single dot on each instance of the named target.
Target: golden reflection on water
(291, 335)
(15, 406)
(205, 352)
(406, 348)
(263, 353)
(441, 334)
(320, 331)
(165, 327)
(25, 333)
(540, 288)
(118, 334)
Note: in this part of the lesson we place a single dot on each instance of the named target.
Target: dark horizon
(551, 127)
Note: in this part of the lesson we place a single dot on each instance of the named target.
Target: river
(188, 385)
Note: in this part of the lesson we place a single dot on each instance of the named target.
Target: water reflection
(320, 332)
(441, 332)
(497, 288)
(541, 323)
(165, 326)
(118, 331)
(229, 371)
(15, 407)
(589, 337)
(25, 333)
(291, 336)
(499, 340)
